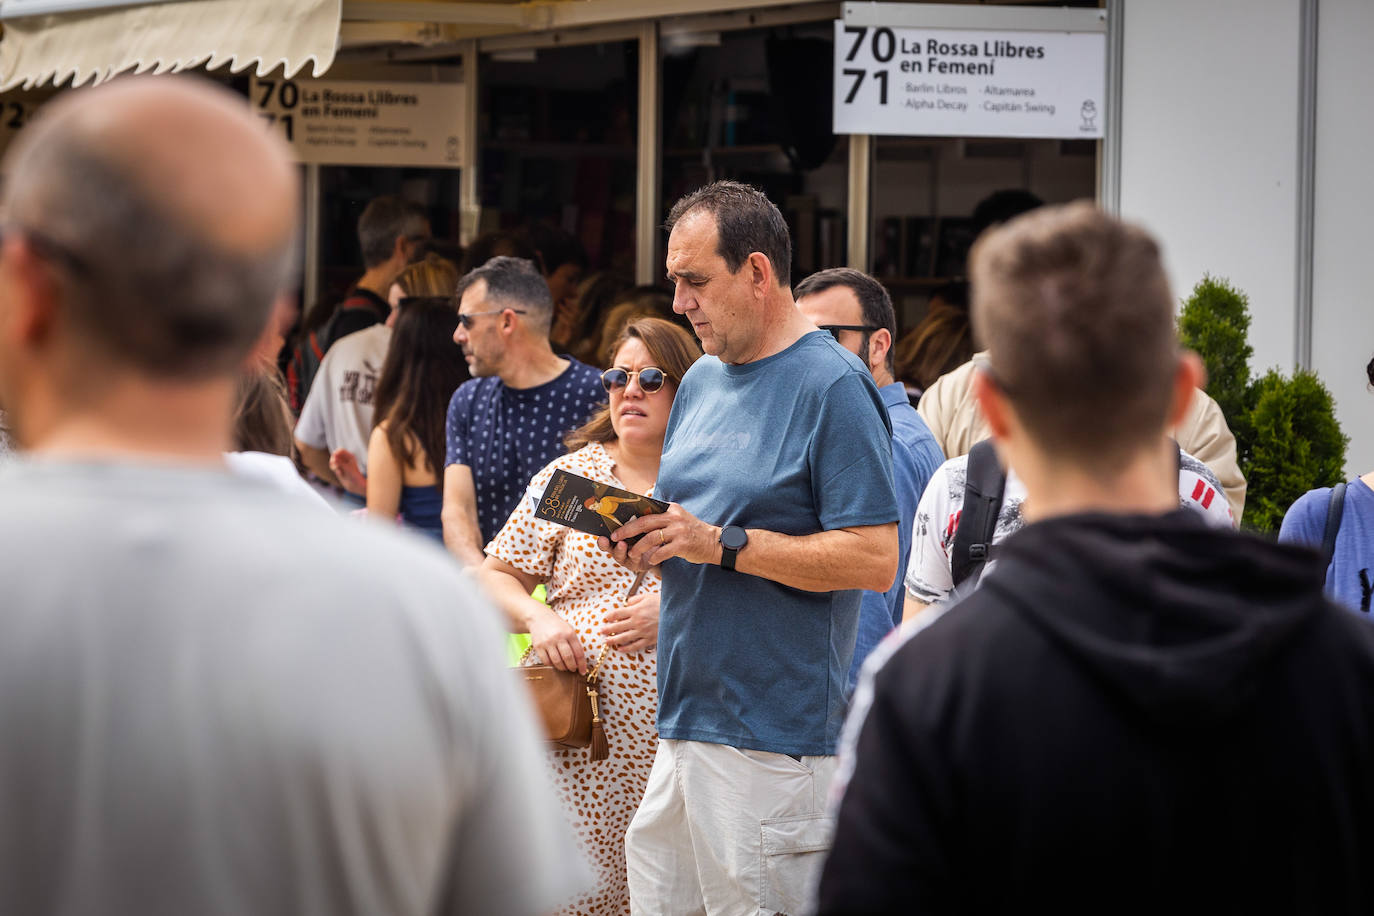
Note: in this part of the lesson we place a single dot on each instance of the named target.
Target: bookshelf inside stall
(924, 191)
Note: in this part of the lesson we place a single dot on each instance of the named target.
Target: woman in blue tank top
(405, 456)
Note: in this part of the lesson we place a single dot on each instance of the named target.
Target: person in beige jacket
(949, 410)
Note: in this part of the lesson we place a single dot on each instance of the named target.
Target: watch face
(733, 538)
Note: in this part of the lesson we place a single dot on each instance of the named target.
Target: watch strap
(729, 554)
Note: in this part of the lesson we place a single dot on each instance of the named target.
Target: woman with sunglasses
(621, 445)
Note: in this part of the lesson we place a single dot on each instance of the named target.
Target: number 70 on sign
(287, 97)
(882, 46)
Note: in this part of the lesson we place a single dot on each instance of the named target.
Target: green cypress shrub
(1215, 324)
(1287, 437)
(1295, 445)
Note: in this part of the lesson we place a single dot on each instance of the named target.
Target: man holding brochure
(778, 468)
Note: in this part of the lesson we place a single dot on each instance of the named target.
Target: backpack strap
(984, 485)
(1335, 508)
(300, 371)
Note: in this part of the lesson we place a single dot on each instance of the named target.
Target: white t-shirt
(338, 411)
(278, 472)
(928, 576)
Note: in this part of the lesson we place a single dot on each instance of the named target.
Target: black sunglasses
(651, 379)
(835, 329)
(466, 320)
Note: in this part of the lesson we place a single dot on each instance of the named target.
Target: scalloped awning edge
(93, 46)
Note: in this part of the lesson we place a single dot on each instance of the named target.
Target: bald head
(165, 215)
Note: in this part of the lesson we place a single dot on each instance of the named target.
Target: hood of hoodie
(1177, 619)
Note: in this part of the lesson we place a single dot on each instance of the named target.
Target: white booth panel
(1342, 291)
(1209, 149)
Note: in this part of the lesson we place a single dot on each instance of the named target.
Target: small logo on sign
(451, 149)
(1089, 114)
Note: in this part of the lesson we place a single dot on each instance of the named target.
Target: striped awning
(92, 45)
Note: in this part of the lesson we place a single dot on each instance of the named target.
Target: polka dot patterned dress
(583, 585)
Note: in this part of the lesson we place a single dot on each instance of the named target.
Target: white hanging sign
(356, 122)
(937, 82)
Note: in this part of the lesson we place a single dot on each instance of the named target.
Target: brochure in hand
(596, 508)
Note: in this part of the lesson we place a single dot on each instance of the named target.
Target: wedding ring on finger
(661, 539)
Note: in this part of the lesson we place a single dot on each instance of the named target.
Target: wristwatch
(733, 539)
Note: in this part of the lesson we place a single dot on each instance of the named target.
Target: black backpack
(984, 485)
(1335, 508)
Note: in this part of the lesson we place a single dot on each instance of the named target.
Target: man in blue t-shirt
(778, 465)
(509, 420)
(858, 313)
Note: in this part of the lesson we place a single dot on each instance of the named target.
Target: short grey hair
(384, 220)
(139, 284)
(516, 283)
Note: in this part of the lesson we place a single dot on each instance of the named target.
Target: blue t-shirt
(795, 443)
(915, 458)
(1350, 577)
(506, 435)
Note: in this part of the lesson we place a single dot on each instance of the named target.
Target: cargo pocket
(794, 849)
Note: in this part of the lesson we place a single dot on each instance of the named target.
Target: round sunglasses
(651, 379)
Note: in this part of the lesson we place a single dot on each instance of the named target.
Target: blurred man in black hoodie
(1133, 713)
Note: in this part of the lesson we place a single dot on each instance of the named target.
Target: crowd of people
(1000, 650)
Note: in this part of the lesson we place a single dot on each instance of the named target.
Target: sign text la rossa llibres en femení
(969, 83)
(359, 122)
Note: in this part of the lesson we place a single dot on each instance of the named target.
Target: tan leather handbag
(569, 703)
(569, 706)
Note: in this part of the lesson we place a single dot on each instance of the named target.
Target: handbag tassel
(600, 747)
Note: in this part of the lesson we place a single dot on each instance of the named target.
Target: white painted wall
(1209, 149)
(1343, 288)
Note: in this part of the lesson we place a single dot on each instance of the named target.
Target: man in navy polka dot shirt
(509, 421)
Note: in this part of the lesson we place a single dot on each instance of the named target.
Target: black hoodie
(1132, 714)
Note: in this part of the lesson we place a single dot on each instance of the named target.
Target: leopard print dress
(583, 585)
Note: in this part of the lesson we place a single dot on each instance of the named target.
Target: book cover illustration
(596, 508)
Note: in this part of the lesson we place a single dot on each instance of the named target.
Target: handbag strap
(591, 675)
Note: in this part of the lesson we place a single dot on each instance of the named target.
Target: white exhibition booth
(1236, 130)
(1245, 139)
